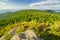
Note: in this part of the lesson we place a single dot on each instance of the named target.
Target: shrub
(7, 37)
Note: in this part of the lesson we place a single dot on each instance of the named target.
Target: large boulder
(27, 35)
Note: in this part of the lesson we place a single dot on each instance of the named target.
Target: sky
(12, 5)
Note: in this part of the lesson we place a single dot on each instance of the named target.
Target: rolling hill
(44, 23)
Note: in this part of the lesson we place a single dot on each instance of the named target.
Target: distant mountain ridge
(3, 11)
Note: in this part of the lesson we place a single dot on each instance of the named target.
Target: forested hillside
(45, 23)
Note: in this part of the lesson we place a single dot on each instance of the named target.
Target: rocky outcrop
(27, 35)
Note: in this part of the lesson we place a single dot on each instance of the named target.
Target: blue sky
(29, 4)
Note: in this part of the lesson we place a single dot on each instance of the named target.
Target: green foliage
(52, 32)
(47, 36)
(41, 21)
(19, 30)
(7, 37)
(27, 15)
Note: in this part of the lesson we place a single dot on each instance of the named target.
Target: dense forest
(45, 23)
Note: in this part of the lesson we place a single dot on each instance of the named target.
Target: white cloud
(10, 7)
(48, 4)
(53, 7)
(45, 5)
(4, 0)
(2, 3)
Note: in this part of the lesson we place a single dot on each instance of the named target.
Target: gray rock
(27, 35)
